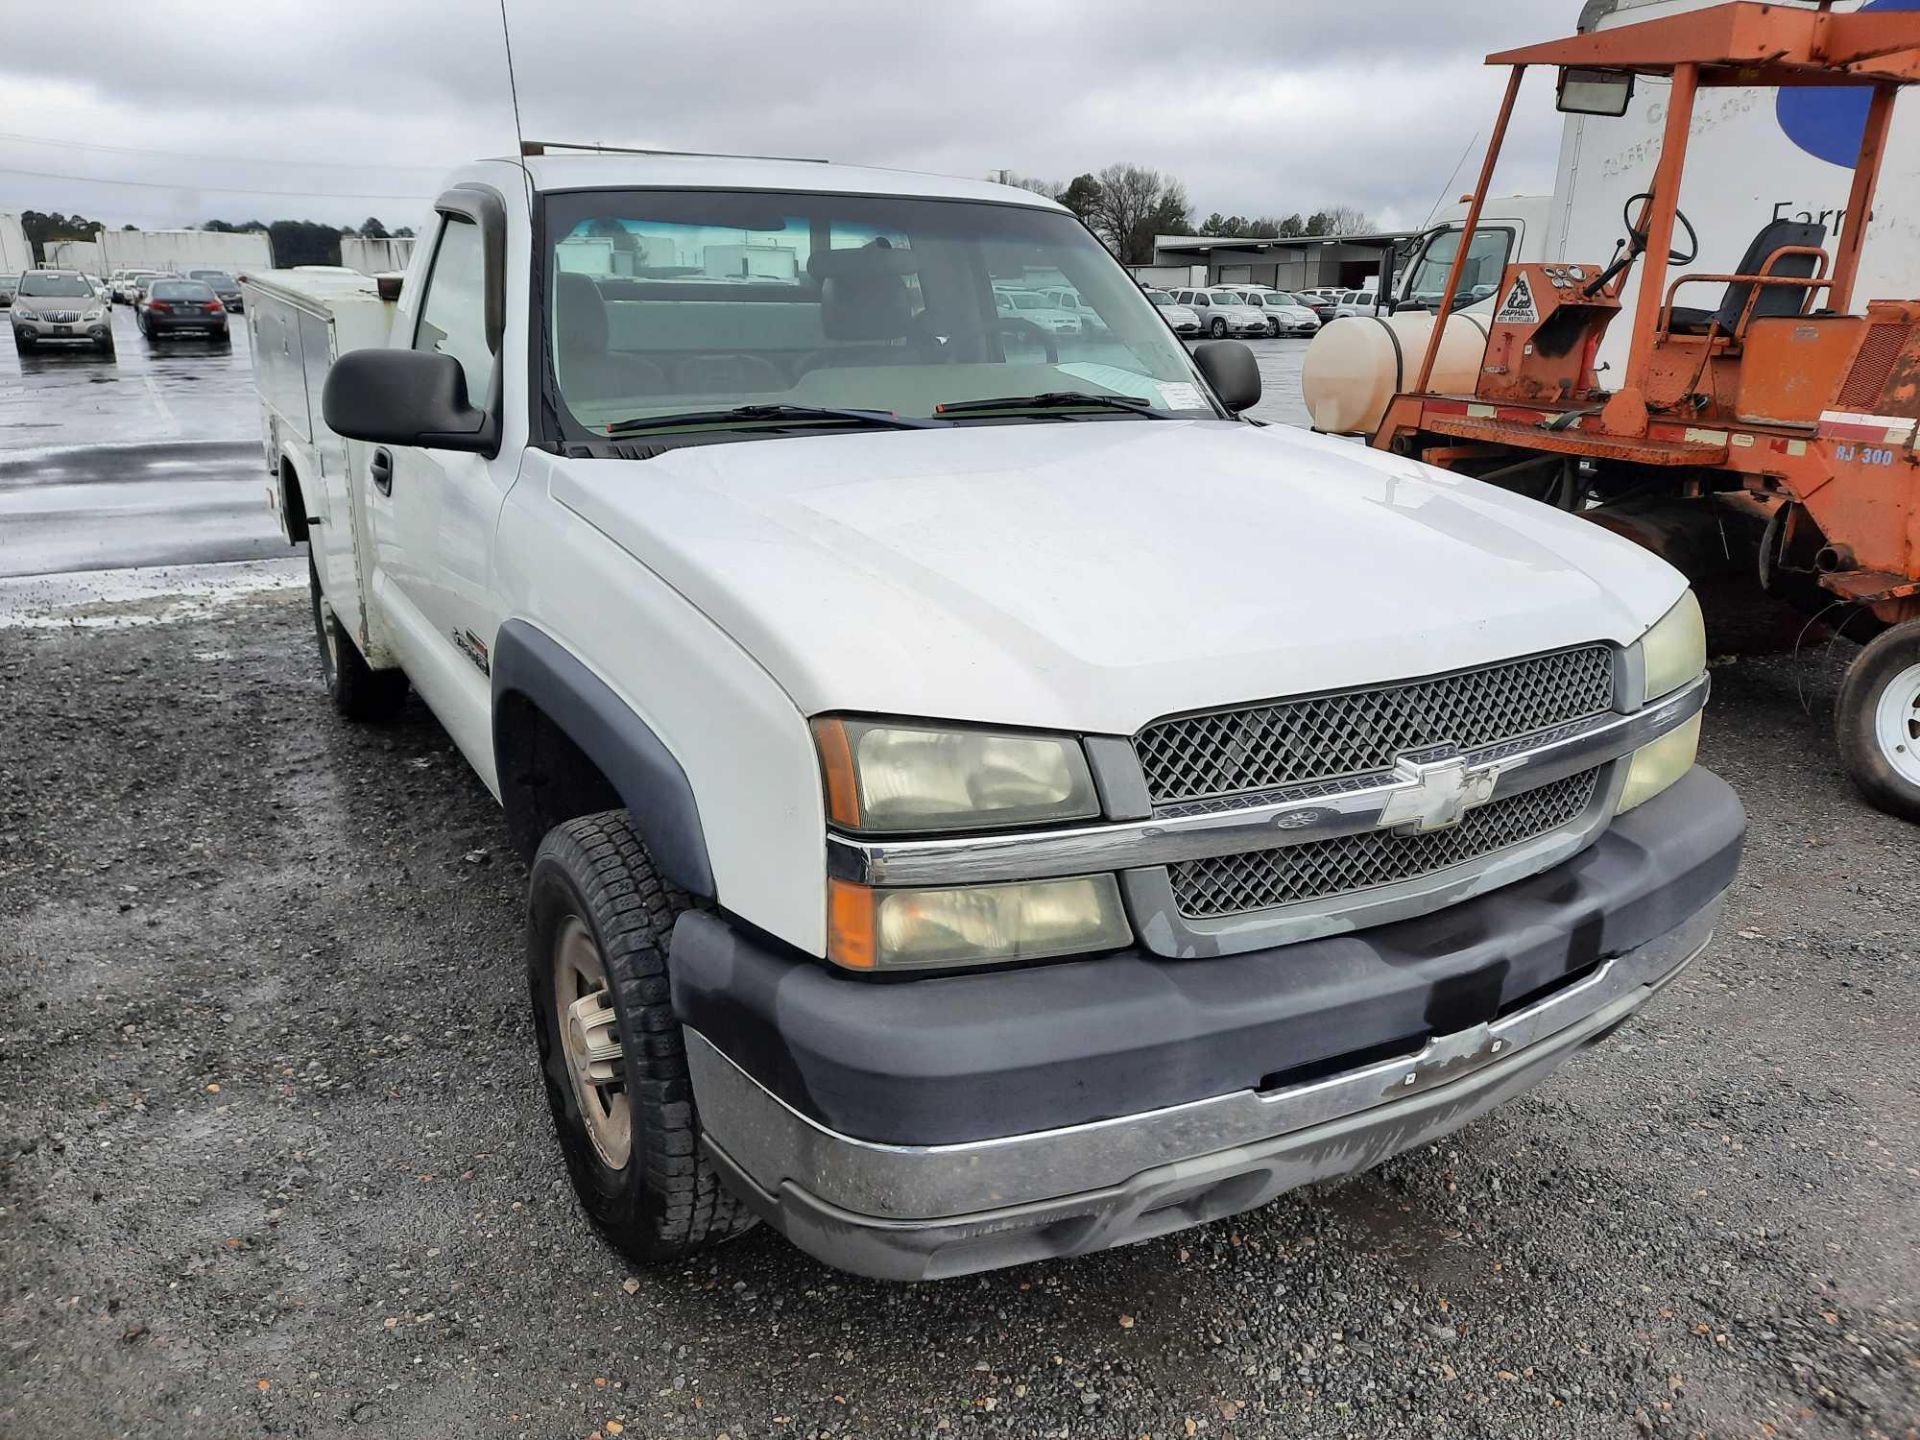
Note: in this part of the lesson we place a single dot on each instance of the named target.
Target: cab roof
(667, 171)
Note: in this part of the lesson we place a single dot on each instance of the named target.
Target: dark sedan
(224, 285)
(182, 307)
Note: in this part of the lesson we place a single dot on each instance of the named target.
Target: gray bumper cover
(914, 1211)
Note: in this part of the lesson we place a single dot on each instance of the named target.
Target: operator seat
(1774, 236)
(587, 368)
(863, 299)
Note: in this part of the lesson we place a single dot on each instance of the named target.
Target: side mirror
(404, 397)
(1232, 372)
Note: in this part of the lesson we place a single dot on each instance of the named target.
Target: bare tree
(1347, 220)
(1049, 188)
(1136, 203)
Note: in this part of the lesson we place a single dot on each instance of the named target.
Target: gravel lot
(274, 1159)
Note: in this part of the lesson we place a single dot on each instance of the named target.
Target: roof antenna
(513, 89)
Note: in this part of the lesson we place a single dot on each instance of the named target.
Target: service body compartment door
(332, 542)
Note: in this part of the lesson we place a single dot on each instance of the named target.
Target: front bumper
(91, 331)
(957, 1124)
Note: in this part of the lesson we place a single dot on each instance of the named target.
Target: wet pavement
(146, 457)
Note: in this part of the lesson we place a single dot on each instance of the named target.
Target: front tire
(358, 691)
(613, 1058)
(1217, 328)
(1877, 723)
(22, 341)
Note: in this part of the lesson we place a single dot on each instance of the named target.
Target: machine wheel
(599, 922)
(22, 341)
(1217, 327)
(1878, 722)
(357, 690)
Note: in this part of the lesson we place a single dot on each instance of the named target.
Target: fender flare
(529, 662)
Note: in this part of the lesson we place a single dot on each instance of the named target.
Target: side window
(1203, 302)
(453, 318)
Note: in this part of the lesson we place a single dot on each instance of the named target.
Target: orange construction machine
(1763, 407)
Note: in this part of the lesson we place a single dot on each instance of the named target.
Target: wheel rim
(1896, 724)
(590, 1039)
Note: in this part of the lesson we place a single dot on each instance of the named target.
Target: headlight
(1673, 653)
(872, 929)
(893, 776)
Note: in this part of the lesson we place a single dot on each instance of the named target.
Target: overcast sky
(337, 109)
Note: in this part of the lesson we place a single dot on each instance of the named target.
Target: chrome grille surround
(1321, 870)
(1351, 732)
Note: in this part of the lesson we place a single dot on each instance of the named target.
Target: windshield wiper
(1053, 400)
(884, 419)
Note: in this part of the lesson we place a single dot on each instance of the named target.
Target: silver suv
(60, 305)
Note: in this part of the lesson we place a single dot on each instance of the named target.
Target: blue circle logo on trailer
(1828, 121)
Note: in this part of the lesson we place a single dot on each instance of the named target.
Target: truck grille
(1286, 742)
(1319, 869)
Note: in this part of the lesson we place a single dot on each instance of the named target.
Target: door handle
(381, 469)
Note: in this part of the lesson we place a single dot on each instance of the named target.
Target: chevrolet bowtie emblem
(1437, 794)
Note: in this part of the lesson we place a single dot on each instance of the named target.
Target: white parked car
(124, 285)
(1223, 315)
(1282, 315)
(1184, 319)
(961, 830)
(1356, 302)
(1033, 308)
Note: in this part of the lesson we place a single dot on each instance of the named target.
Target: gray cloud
(336, 111)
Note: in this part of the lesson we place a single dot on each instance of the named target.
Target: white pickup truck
(985, 800)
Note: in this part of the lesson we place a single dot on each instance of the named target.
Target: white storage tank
(1359, 363)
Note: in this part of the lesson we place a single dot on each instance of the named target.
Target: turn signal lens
(1658, 765)
(973, 924)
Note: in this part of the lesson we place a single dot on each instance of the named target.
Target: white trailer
(300, 321)
(244, 253)
(390, 256)
(82, 255)
(15, 253)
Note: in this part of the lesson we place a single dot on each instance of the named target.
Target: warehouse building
(1295, 262)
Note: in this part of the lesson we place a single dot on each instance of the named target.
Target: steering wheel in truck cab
(1635, 244)
(1639, 235)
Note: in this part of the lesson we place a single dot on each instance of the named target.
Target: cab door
(433, 512)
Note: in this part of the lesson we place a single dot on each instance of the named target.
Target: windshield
(1486, 262)
(667, 303)
(54, 287)
(1159, 297)
(213, 277)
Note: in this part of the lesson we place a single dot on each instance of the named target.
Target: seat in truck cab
(588, 368)
(1774, 236)
(864, 302)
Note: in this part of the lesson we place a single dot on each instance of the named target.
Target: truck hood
(1092, 576)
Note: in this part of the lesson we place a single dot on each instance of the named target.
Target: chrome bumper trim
(1319, 810)
(774, 1144)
